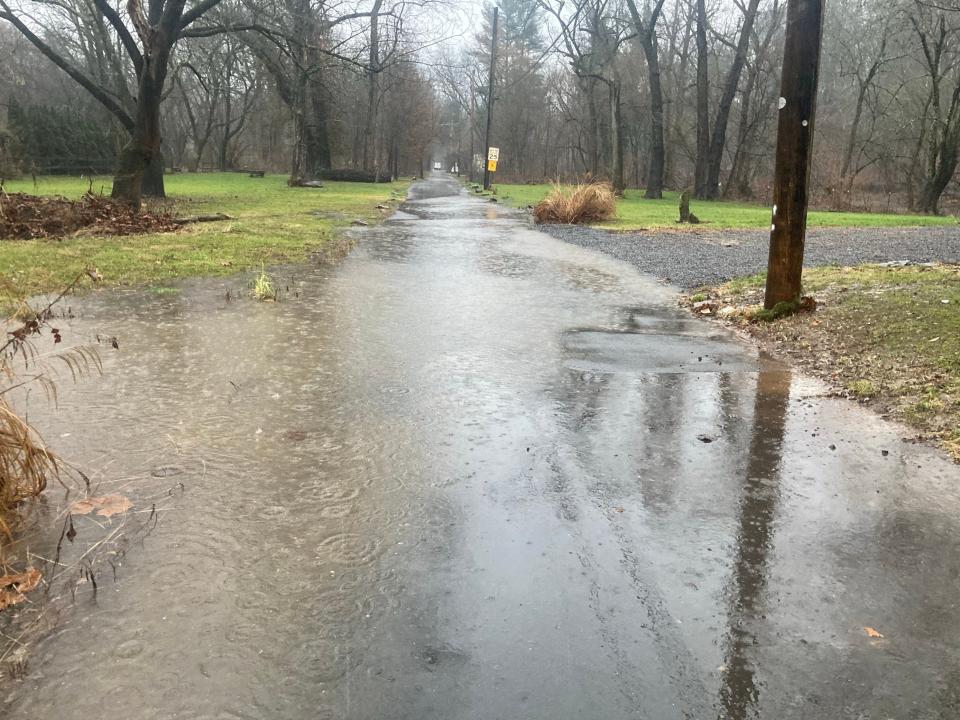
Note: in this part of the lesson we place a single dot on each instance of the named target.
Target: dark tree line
(653, 94)
(223, 83)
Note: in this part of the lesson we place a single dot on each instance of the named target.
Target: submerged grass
(888, 336)
(263, 289)
(634, 212)
(271, 224)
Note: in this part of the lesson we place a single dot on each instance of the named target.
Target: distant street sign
(492, 165)
(493, 154)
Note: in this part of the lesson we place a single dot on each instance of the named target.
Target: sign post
(493, 157)
(490, 94)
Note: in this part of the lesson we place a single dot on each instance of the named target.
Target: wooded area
(683, 94)
(653, 94)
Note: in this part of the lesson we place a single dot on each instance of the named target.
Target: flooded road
(472, 472)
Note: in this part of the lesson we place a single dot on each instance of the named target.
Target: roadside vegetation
(577, 204)
(886, 336)
(269, 223)
(26, 465)
(634, 212)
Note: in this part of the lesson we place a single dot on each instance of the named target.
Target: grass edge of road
(886, 336)
(636, 214)
(270, 224)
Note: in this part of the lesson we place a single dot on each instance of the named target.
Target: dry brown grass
(25, 463)
(577, 204)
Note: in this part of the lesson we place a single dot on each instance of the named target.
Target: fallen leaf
(872, 633)
(113, 505)
(82, 507)
(106, 505)
(13, 588)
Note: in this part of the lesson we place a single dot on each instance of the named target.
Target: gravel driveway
(690, 259)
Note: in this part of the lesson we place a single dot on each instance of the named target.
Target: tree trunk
(144, 144)
(737, 180)
(719, 138)
(319, 155)
(657, 150)
(153, 186)
(946, 167)
(369, 135)
(852, 137)
(647, 37)
(594, 118)
(223, 153)
(616, 138)
(703, 102)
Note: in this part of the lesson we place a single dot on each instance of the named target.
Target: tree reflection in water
(739, 691)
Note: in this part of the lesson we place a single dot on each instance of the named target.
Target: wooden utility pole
(473, 130)
(798, 106)
(493, 68)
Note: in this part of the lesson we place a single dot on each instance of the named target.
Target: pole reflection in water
(739, 690)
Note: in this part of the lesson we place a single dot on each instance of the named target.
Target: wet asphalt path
(473, 472)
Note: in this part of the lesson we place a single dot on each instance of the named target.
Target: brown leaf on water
(113, 505)
(13, 588)
(105, 505)
(82, 507)
(872, 633)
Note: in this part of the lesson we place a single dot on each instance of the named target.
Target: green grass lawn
(271, 224)
(636, 213)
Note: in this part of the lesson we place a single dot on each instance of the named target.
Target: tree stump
(687, 217)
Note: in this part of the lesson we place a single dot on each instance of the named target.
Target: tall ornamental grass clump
(577, 204)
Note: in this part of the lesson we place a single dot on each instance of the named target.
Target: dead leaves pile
(25, 217)
(14, 588)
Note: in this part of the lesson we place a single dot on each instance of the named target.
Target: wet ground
(475, 472)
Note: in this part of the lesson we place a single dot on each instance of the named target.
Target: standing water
(474, 472)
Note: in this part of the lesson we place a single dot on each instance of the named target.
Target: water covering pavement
(475, 472)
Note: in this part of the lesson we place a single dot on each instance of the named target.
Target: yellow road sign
(492, 165)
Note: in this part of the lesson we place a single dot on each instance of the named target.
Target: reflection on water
(472, 472)
(740, 692)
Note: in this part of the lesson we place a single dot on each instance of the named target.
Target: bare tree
(646, 34)
(712, 164)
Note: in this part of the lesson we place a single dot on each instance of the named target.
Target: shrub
(577, 204)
